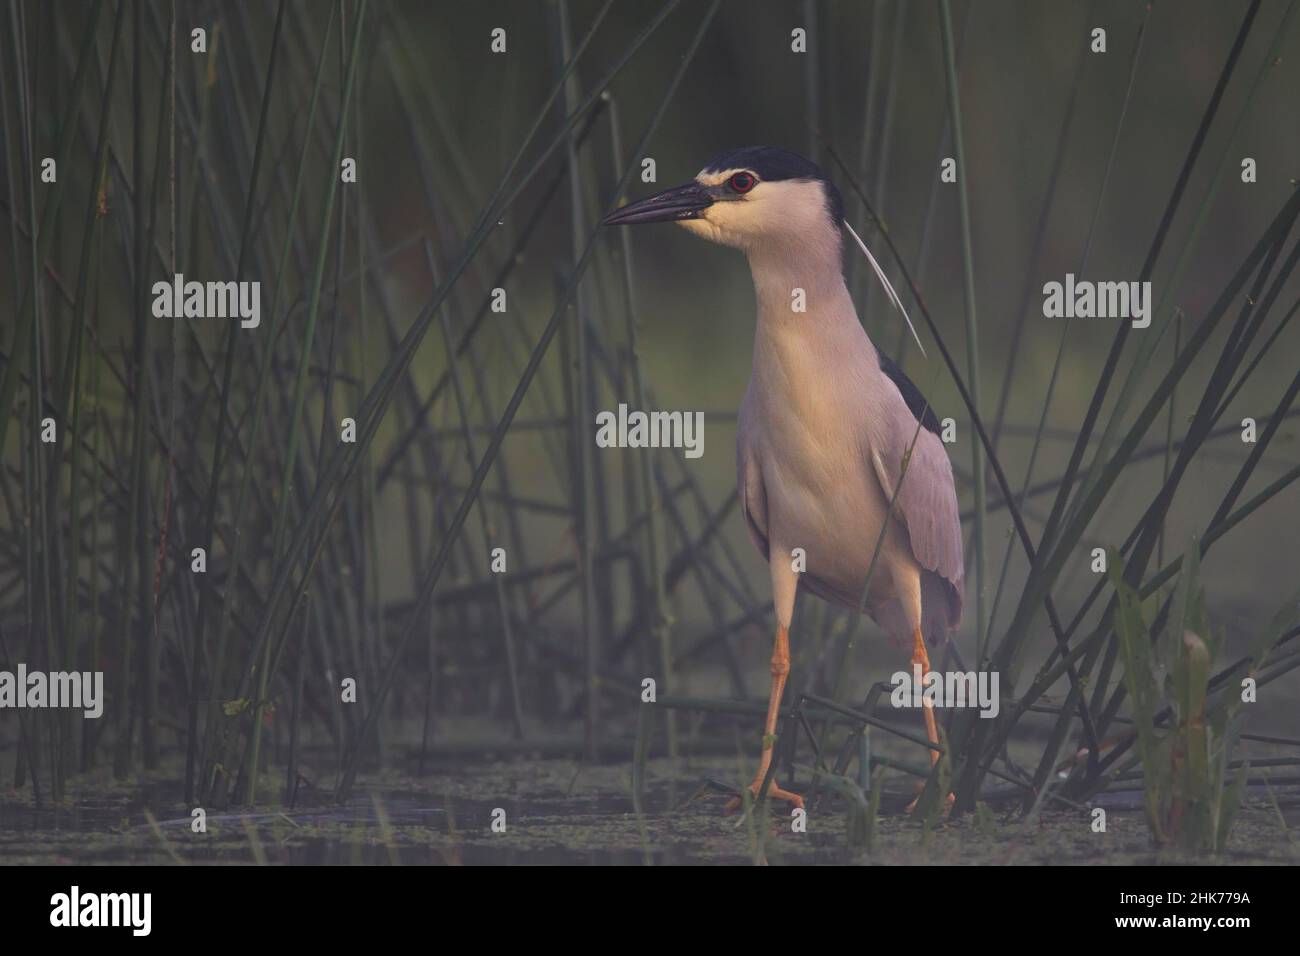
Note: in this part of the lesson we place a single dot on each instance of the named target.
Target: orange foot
(773, 792)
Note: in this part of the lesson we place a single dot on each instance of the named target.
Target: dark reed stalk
(152, 570)
(1038, 243)
(485, 527)
(197, 761)
(1148, 344)
(1203, 421)
(1063, 724)
(1273, 236)
(249, 772)
(1042, 573)
(42, 239)
(972, 324)
(342, 463)
(583, 412)
(511, 408)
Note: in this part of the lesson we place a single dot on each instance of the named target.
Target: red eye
(742, 182)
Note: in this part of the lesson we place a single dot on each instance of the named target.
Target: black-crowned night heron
(827, 421)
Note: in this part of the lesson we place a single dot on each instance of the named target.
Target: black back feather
(916, 403)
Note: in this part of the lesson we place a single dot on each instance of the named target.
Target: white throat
(804, 272)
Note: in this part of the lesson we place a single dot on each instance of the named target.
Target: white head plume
(889, 289)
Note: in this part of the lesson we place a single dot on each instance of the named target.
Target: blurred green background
(873, 83)
(434, 122)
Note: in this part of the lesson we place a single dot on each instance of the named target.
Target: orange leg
(920, 657)
(780, 670)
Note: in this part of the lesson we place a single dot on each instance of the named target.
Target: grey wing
(926, 503)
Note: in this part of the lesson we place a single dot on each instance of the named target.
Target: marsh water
(553, 810)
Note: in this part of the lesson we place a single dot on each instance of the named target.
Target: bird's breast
(805, 435)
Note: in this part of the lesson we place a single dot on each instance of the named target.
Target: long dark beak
(671, 205)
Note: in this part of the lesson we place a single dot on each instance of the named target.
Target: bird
(835, 446)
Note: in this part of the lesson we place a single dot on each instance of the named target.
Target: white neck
(817, 363)
(782, 264)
